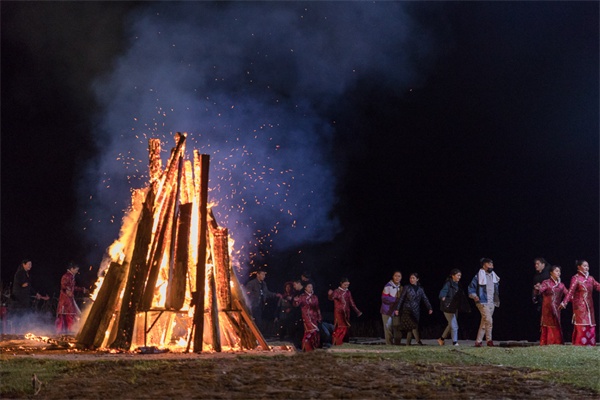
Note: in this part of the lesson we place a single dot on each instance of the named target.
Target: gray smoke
(251, 84)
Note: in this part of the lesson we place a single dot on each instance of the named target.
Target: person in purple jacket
(389, 301)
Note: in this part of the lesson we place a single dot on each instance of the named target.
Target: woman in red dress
(311, 316)
(342, 300)
(552, 291)
(67, 309)
(581, 291)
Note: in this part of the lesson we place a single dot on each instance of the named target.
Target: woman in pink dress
(342, 300)
(552, 291)
(581, 291)
(311, 316)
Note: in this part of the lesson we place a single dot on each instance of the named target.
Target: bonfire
(168, 282)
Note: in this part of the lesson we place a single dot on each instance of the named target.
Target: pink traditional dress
(584, 321)
(342, 301)
(67, 309)
(311, 316)
(552, 293)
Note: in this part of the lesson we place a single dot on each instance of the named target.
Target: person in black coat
(452, 300)
(22, 289)
(409, 308)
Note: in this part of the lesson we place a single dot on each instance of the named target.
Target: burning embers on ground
(167, 282)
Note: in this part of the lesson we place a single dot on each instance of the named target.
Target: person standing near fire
(343, 301)
(258, 293)
(311, 316)
(67, 310)
(22, 293)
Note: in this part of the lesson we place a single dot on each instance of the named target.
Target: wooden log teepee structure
(170, 269)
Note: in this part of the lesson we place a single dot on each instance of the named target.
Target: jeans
(452, 327)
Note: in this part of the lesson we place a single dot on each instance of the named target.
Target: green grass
(573, 365)
(579, 366)
(16, 374)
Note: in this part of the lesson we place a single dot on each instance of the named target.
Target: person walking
(580, 292)
(311, 316)
(389, 300)
(409, 308)
(552, 291)
(452, 300)
(343, 302)
(483, 289)
(542, 273)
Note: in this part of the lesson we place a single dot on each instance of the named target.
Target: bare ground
(282, 374)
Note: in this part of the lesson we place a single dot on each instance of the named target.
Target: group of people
(67, 310)
(555, 296)
(299, 314)
(401, 305)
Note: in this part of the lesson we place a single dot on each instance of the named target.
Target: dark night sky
(414, 136)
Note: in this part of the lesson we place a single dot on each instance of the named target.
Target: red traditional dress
(552, 293)
(67, 309)
(580, 291)
(311, 316)
(342, 301)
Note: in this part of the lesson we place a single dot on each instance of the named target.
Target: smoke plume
(252, 85)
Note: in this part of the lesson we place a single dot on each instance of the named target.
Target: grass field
(348, 371)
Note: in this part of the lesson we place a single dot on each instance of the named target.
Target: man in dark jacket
(258, 293)
(22, 293)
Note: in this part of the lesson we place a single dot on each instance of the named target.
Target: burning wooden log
(176, 290)
(98, 313)
(220, 251)
(201, 163)
(165, 220)
(174, 232)
(136, 279)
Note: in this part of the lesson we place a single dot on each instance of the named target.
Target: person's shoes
(454, 343)
(490, 343)
(478, 344)
(420, 343)
(441, 341)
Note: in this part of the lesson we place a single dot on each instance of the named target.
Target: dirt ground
(279, 374)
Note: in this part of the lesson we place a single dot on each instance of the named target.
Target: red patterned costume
(342, 300)
(67, 309)
(552, 293)
(580, 291)
(311, 316)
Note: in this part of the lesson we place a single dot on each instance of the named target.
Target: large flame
(161, 325)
